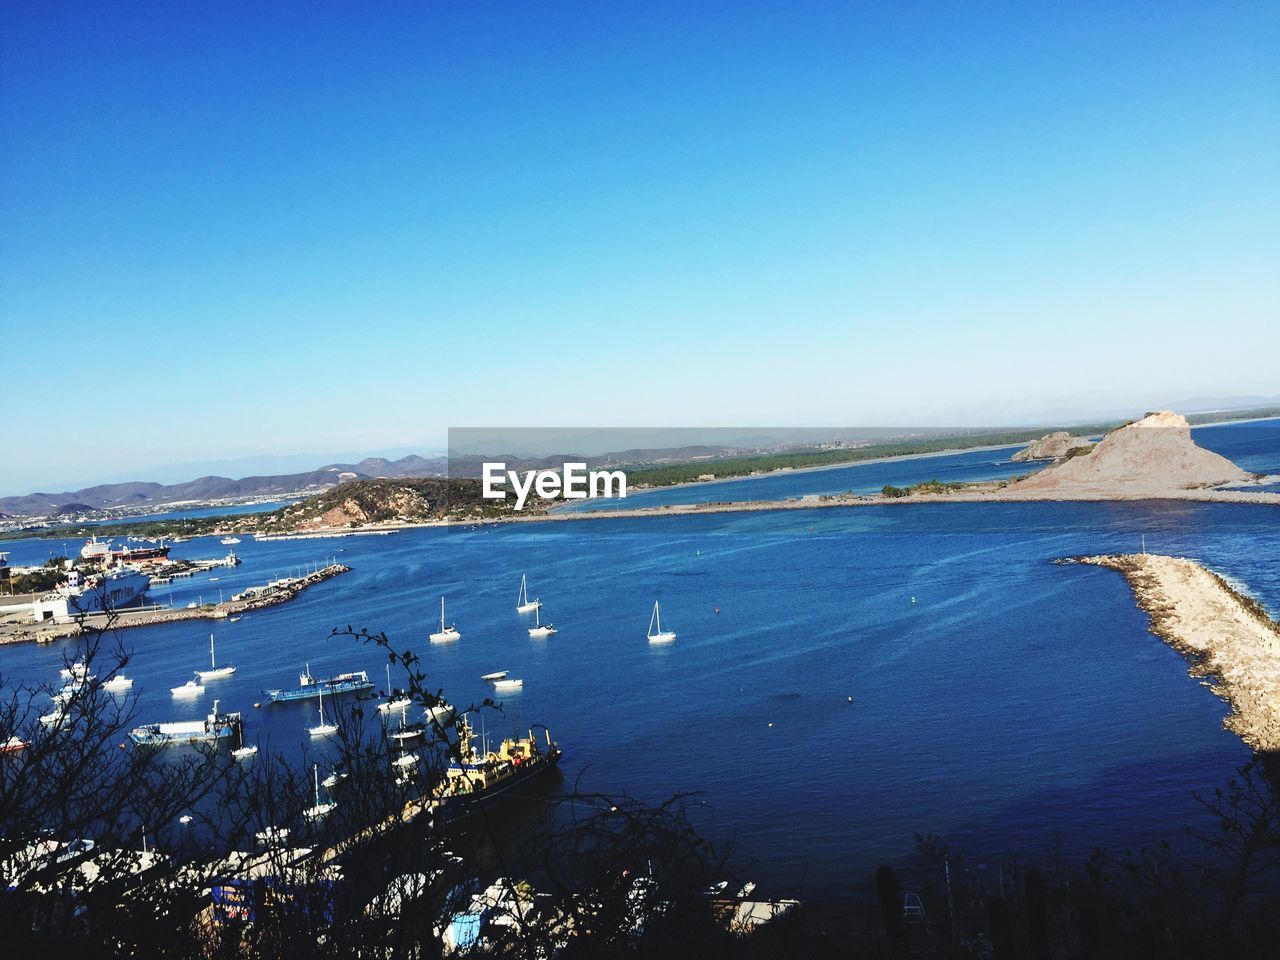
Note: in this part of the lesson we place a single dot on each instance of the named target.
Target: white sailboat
(523, 603)
(214, 672)
(192, 688)
(447, 632)
(319, 809)
(324, 728)
(541, 629)
(656, 633)
(393, 702)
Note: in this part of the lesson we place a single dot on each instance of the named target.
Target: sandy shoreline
(1228, 636)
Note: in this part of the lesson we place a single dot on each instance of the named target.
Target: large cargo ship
(217, 726)
(103, 552)
(309, 687)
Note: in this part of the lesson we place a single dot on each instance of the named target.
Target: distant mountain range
(110, 496)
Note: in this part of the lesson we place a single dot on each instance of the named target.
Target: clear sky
(229, 230)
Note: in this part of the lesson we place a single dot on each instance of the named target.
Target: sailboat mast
(212, 662)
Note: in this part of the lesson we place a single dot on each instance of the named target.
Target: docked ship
(217, 726)
(309, 687)
(99, 592)
(103, 552)
(480, 775)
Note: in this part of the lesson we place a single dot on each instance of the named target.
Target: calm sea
(999, 700)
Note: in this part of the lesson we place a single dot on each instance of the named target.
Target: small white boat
(408, 760)
(393, 702)
(189, 689)
(508, 684)
(58, 714)
(79, 670)
(441, 713)
(540, 629)
(229, 541)
(656, 633)
(447, 632)
(215, 672)
(324, 728)
(523, 603)
(118, 684)
(244, 753)
(490, 677)
(333, 779)
(319, 809)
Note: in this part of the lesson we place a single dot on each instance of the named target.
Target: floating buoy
(771, 723)
(257, 706)
(913, 599)
(851, 699)
(717, 609)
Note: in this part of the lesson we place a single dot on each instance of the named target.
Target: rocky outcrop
(1053, 446)
(1152, 457)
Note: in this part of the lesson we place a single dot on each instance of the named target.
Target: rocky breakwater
(1228, 637)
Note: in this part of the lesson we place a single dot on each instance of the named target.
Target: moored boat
(481, 776)
(523, 603)
(309, 687)
(216, 726)
(446, 632)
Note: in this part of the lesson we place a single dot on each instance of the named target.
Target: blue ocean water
(1000, 700)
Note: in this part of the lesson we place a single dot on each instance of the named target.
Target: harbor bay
(841, 679)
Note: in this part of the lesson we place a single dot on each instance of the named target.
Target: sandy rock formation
(1153, 456)
(1052, 446)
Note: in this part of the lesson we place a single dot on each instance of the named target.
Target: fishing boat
(446, 632)
(216, 726)
(508, 684)
(480, 776)
(540, 629)
(324, 728)
(395, 698)
(319, 809)
(656, 633)
(215, 672)
(191, 688)
(497, 675)
(309, 687)
(523, 603)
(118, 684)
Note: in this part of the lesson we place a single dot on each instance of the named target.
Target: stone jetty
(1229, 638)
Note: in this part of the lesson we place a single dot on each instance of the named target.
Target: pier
(256, 598)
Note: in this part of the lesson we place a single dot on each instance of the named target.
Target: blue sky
(232, 230)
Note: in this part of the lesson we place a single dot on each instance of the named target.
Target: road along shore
(1228, 637)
